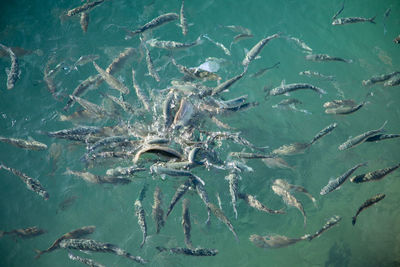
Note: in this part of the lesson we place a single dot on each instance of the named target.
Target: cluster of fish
(166, 135)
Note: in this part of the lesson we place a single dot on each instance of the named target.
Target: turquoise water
(29, 109)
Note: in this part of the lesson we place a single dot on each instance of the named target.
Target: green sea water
(29, 110)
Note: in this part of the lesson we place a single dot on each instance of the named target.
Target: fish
(226, 50)
(124, 171)
(80, 130)
(24, 233)
(219, 200)
(337, 182)
(290, 104)
(287, 88)
(83, 60)
(84, 21)
(368, 203)
(166, 151)
(26, 144)
(246, 155)
(184, 113)
(374, 176)
(276, 162)
(140, 93)
(325, 57)
(160, 169)
(66, 203)
(301, 44)
(150, 65)
(238, 29)
(123, 104)
(111, 141)
(385, 16)
(338, 12)
(196, 73)
(256, 49)
(291, 149)
(328, 129)
(180, 191)
(111, 80)
(96, 246)
(310, 73)
(339, 103)
(289, 187)
(190, 252)
(120, 60)
(82, 88)
(89, 106)
(289, 199)
(345, 110)
(241, 36)
(87, 176)
(154, 23)
(221, 216)
(328, 225)
(228, 83)
(157, 212)
(264, 70)
(379, 78)
(141, 215)
(86, 261)
(20, 52)
(168, 109)
(233, 180)
(31, 183)
(77, 233)
(254, 203)
(186, 223)
(397, 40)
(201, 191)
(395, 81)
(182, 18)
(343, 21)
(359, 139)
(380, 137)
(14, 73)
(84, 8)
(274, 241)
(172, 45)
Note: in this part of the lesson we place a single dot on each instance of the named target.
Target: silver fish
(359, 139)
(154, 23)
(84, 21)
(124, 171)
(89, 106)
(368, 203)
(233, 180)
(31, 184)
(289, 199)
(345, 110)
(275, 241)
(86, 261)
(172, 45)
(343, 21)
(379, 78)
(247, 155)
(26, 144)
(226, 50)
(254, 203)
(324, 132)
(228, 83)
(186, 223)
(82, 88)
(77, 233)
(190, 252)
(316, 74)
(336, 183)
(87, 176)
(157, 212)
(325, 57)
(14, 73)
(291, 149)
(96, 246)
(111, 80)
(253, 53)
(141, 215)
(84, 8)
(298, 188)
(373, 176)
(339, 103)
(201, 191)
(168, 109)
(24, 233)
(264, 70)
(277, 162)
(123, 104)
(180, 191)
(241, 36)
(150, 66)
(221, 216)
(140, 93)
(286, 88)
(83, 60)
(182, 17)
(328, 225)
(301, 44)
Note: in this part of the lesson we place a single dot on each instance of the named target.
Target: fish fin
(287, 94)
(283, 82)
(372, 20)
(353, 221)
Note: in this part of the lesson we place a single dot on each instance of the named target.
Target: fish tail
(161, 249)
(353, 221)
(39, 253)
(372, 20)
